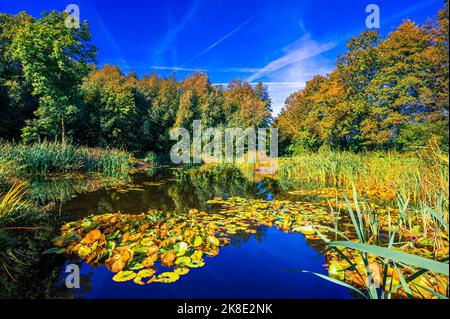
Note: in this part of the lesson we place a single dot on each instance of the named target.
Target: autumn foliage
(385, 93)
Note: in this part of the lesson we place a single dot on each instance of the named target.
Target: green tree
(54, 60)
(109, 108)
(16, 101)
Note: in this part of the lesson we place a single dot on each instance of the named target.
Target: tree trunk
(63, 140)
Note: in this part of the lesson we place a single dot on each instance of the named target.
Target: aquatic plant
(129, 244)
(14, 204)
(422, 176)
(51, 157)
(407, 258)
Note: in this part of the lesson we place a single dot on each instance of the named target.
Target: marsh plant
(52, 157)
(405, 257)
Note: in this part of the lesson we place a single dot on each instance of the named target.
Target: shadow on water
(253, 266)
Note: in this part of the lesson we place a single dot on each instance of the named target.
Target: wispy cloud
(173, 32)
(297, 52)
(206, 69)
(299, 62)
(223, 38)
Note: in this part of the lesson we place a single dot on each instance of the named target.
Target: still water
(261, 265)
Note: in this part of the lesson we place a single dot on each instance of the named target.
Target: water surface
(253, 266)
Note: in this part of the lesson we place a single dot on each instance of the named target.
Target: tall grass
(421, 176)
(14, 205)
(384, 262)
(51, 157)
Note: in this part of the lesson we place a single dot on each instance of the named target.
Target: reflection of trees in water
(194, 187)
(33, 274)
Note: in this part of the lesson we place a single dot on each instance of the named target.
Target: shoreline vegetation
(370, 138)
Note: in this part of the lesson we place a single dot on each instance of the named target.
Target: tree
(54, 59)
(109, 108)
(16, 101)
(387, 93)
(243, 108)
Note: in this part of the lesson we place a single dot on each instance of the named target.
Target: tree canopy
(385, 93)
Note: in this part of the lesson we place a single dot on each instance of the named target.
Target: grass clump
(55, 158)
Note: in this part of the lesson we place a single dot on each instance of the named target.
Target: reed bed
(55, 158)
(422, 176)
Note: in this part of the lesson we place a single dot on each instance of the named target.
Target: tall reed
(422, 175)
(51, 157)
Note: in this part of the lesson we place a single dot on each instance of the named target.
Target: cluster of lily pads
(137, 247)
(162, 246)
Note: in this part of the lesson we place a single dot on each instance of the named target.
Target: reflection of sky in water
(255, 269)
(267, 194)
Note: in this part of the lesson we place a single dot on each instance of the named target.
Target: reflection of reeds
(67, 187)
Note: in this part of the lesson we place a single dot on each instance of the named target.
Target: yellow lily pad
(167, 277)
(123, 276)
(196, 264)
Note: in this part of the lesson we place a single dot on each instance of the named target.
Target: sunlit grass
(51, 157)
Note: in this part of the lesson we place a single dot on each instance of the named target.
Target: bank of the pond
(420, 227)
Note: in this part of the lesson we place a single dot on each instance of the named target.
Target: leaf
(213, 240)
(182, 261)
(92, 236)
(150, 260)
(145, 273)
(336, 271)
(167, 277)
(181, 270)
(180, 248)
(196, 264)
(197, 241)
(396, 256)
(168, 258)
(123, 276)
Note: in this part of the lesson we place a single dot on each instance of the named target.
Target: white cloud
(299, 51)
(300, 62)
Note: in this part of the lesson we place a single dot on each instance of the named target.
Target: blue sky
(283, 43)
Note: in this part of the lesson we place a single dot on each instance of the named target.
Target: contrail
(224, 37)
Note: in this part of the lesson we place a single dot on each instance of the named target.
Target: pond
(265, 264)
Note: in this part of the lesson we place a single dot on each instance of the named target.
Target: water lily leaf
(141, 250)
(167, 277)
(336, 271)
(182, 261)
(196, 264)
(123, 276)
(213, 240)
(180, 248)
(138, 281)
(181, 270)
(306, 230)
(150, 260)
(145, 273)
(92, 236)
(117, 265)
(197, 255)
(136, 266)
(168, 258)
(84, 251)
(197, 241)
